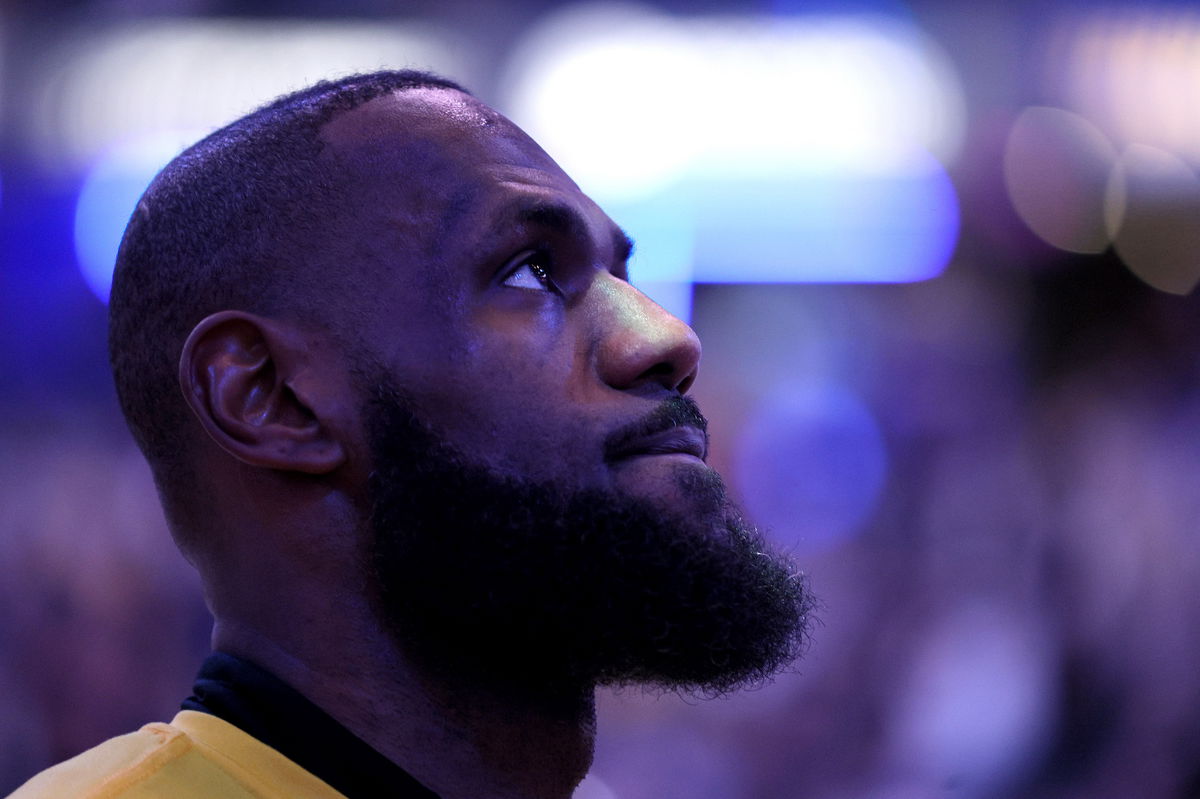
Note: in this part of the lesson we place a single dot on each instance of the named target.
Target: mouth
(682, 440)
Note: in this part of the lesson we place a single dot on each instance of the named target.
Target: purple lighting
(811, 464)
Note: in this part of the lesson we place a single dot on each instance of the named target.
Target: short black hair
(224, 226)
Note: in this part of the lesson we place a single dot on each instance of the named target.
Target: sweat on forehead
(434, 135)
(424, 113)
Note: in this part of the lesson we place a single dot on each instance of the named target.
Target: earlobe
(239, 373)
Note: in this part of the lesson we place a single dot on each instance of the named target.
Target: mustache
(671, 413)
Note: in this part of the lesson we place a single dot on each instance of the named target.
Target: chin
(524, 583)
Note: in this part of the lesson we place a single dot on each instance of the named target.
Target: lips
(674, 426)
(682, 440)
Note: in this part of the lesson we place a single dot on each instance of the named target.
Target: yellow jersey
(196, 756)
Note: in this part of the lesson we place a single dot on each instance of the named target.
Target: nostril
(668, 374)
(663, 372)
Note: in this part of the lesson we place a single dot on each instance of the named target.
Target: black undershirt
(264, 707)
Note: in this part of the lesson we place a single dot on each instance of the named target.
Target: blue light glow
(795, 226)
(811, 464)
(662, 228)
(840, 92)
(106, 200)
(825, 227)
(821, 162)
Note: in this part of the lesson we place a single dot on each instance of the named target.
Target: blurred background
(942, 257)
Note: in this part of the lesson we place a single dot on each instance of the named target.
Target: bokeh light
(1153, 214)
(1133, 71)
(752, 149)
(1056, 167)
(107, 198)
(811, 463)
(828, 226)
(975, 710)
(627, 100)
(607, 90)
(120, 84)
(1130, 73)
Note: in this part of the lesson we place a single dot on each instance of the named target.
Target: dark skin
(506, 314)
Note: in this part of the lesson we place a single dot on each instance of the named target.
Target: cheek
(525, 407)
(528, 353)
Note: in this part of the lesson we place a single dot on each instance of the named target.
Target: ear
(254, 386)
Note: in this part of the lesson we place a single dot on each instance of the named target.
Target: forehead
(436, 171)
(435, 141)
(414, 113)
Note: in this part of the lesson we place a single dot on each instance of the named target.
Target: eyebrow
(622, 246)
(564, 219)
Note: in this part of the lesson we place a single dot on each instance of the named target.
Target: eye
(531, 271)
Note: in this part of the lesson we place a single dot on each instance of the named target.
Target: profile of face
(542, 510)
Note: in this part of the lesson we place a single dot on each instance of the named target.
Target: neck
(456, 736)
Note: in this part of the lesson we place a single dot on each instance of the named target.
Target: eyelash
(538, 262)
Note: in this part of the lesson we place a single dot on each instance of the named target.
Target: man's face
(502, 304)
(541, 501)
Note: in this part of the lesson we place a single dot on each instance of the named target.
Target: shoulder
(111, 769)
(196, 756)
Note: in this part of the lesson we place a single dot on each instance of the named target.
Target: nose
(639, 342)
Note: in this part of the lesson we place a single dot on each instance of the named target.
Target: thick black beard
(533, 588)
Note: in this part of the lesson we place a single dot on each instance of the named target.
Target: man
(432, 457)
